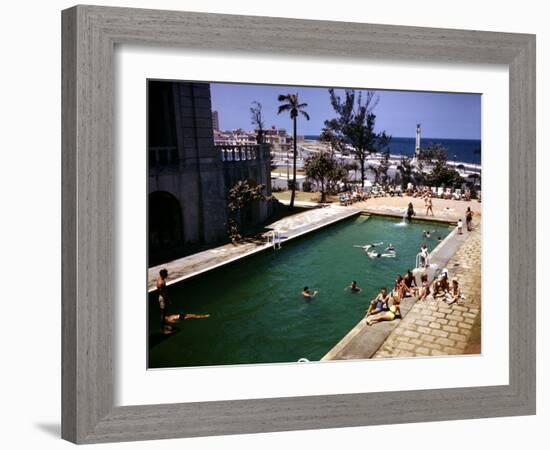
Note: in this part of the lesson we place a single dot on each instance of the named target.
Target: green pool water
(257, 312)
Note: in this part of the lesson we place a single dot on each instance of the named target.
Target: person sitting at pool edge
(454, 295)
(306, 293)
(424, 291)
(353, 287)
(398, 288)
(410, 283)
(380, 303)
(393, 312)
(440, 286)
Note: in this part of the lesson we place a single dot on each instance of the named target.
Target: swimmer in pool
(367, 247)
(353, 287)
(307, 293)
(390, 248)
(374, 254)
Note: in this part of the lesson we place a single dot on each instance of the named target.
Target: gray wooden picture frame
(90, 34)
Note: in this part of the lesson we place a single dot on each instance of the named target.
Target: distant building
(278, 139)
(189, 176)
(215, 121)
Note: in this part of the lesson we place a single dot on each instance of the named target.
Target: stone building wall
(191, 169)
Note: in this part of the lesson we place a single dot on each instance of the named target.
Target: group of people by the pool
(386, 305)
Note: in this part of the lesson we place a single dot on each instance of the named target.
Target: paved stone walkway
(434, 328)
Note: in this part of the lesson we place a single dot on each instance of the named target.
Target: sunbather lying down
(384, 316)
(173, 318)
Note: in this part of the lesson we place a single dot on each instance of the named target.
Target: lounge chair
(458, 194)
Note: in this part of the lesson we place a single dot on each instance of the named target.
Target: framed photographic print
(286, 232)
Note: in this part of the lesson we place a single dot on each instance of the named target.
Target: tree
(291, 104)
(443, 175)
(434, 153)
(326, 171)
(354, 125)
(328, 137)
(239, 196)
(381, 171)
(257, 119)
(405, 170)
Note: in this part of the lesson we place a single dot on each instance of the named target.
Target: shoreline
(394, 157)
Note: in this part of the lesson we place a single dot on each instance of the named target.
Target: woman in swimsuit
(392, 313)
(425, 288)
(454, 295)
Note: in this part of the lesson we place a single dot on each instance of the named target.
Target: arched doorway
(165, 227)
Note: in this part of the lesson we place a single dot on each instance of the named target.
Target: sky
(441, 115)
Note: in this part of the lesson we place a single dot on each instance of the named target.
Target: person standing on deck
(163, 300)
(410, 211)
(429, 206)
(469, 216)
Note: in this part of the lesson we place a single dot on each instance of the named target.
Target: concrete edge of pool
(363, 341)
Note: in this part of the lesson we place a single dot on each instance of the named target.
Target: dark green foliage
(326, 171)
(406, 172)
(354, 125)
(239, 196)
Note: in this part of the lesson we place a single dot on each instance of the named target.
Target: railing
(239, 152)
(162, 157)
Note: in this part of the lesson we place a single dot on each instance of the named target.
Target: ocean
(463, 150)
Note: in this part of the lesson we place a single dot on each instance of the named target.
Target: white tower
(417, 146)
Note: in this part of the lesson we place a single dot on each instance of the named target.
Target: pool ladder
(275, 238)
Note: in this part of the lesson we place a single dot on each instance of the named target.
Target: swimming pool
(257, 312)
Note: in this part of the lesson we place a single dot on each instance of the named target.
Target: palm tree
(290, 103)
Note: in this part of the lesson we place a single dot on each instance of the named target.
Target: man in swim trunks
(163, 300)
(380, 303)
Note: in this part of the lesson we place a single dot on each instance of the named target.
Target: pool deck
(290, 227)
(444, 210)
(433, 328)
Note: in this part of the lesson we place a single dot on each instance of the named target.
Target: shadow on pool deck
(363, 341)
